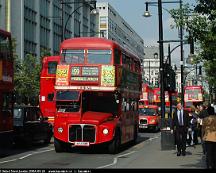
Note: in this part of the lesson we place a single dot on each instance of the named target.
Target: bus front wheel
(60, 146)
(114, 146)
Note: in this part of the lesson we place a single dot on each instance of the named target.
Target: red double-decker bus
(193, 95)
(6, 87)
(98, 85)
(157, 100)
(47, 83)
(147, 95)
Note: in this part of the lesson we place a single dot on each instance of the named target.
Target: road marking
(150, 139)
(115, 160)
(23, 157)
(6, 161)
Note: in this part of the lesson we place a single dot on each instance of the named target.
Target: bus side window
(7, 101)
(50, 97)
(132, 67)
(117, 57)
(128, 63)
(128, 106)
(123, 60)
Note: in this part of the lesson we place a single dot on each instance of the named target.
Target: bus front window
(68, 101)
(99, 56)
(73, 56)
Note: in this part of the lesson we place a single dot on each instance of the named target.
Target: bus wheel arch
(114, 145)
(60, 146)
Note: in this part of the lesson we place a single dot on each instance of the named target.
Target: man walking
(180, 124)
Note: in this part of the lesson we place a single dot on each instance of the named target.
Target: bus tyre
(135, 134)
(48, 139)
(114, 146)
(156, 128)
(59, 146)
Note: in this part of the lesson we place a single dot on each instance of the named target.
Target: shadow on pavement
(199, 163)
(15, 149)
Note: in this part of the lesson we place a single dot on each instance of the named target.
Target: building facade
(151, 64)
(113, 26)
(37, 25)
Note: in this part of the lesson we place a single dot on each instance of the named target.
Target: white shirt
(180, 116)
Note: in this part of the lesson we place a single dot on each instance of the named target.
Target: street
(145, 154)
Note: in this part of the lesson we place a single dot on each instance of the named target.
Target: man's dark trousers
(181, 137)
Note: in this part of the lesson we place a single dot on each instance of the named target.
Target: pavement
(150, 155)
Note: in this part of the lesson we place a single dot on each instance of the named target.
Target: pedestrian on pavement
(203, 113)
(210, 109)
(192, 131)
(180, 125)
(209, 137)
(214, 106)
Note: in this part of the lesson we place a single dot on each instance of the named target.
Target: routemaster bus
(6, 87)
(193, 95)
(98, 85)
(147, 95)
(47, 83)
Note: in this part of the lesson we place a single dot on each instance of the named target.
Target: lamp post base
(167, 138)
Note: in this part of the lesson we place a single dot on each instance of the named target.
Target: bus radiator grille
(143, 121)
(82, 133)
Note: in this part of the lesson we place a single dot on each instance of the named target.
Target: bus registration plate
(81, 144)
(143, 126)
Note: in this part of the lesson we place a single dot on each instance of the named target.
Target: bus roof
(193, 87)
(92, 42)
(149, 106)
(5, 33)
(51, 58)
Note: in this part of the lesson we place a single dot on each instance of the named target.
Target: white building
(178, 80)
(113, 26)
(151, 64)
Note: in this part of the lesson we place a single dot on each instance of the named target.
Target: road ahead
(145, 154)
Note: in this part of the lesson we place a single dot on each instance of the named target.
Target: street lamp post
(164, 141)
(94, 11)
(161, 41)
(62, 20)
(161, 51)
(149, 71)
(182, 55)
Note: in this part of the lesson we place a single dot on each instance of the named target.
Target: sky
(147, 28)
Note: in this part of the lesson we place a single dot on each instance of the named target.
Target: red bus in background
(47, 83)
(6, 87)
(147, 95)
(193, 95)
(98, 86)
(157, 100)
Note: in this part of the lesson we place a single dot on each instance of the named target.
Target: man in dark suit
(180, 124)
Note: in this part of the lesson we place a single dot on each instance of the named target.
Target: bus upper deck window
(99, 56)
(52, 65)
(117, 57)
(73, 56)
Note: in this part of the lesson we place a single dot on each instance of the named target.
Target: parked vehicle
(6, 88)
(30, 126)
(149, 117)
(47, 82)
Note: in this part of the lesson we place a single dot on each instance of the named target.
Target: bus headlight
(60, 129)
(152, 121)
(105, 131)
